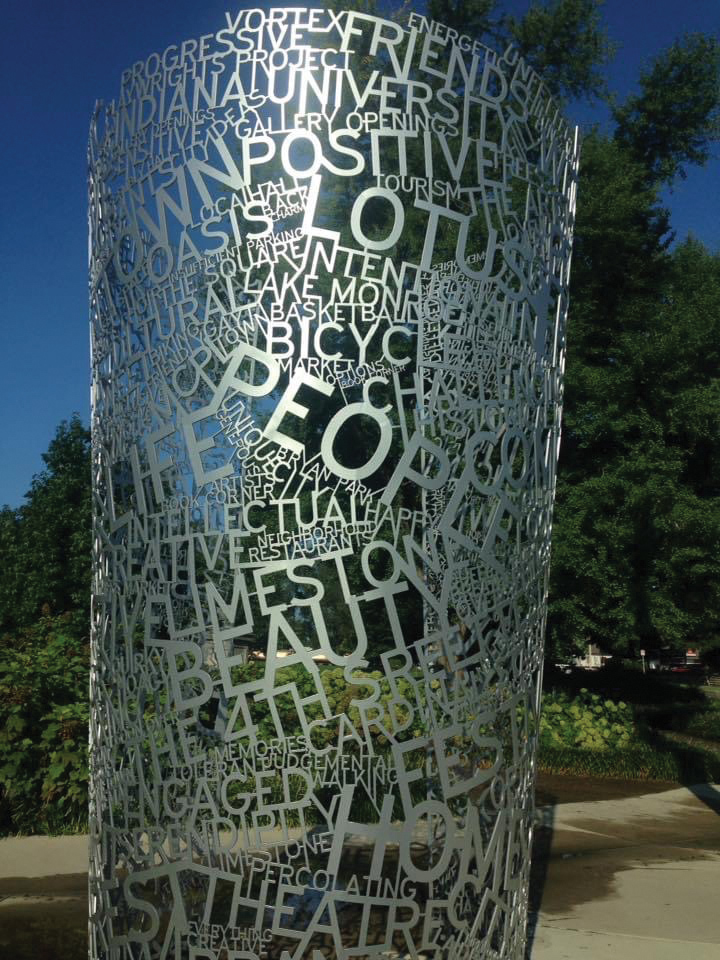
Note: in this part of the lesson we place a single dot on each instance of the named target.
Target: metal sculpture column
(329, 270)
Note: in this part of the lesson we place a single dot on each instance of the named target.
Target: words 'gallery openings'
(329, 272)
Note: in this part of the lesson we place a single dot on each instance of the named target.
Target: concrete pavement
(621, 879)
(629, 879)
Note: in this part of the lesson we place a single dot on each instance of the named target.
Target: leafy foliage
(45, 544)
(676, 115)
(641, 761)
(638, 500)
(43, 728)
(702, 721)
(342, 697)
(584, 732)
(564, 40)
(587, 721)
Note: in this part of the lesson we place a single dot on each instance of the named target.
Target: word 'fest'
(328, 286)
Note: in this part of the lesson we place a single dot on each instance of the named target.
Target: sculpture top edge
(329, 280)
(293, 28)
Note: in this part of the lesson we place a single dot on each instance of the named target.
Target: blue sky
(56, 59)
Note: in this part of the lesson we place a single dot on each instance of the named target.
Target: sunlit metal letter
(329, 272)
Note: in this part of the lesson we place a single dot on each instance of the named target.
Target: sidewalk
(632, 879)
(629, 879)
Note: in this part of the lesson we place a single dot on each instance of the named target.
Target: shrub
(705, 723)
(43, 728)
(640, 761)
(342, 697)
(588, 721)
(699, 721)
(389, 713)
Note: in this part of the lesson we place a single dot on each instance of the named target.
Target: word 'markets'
(328, 286)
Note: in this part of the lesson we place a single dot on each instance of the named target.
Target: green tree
(45, 543)
(676, 115)
(564, 40)
(43, 728)
(634, 560)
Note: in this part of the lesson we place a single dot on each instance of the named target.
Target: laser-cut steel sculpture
(329, 270)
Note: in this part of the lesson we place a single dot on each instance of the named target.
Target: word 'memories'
(328, 285)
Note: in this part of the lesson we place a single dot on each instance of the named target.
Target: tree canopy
(637, 518)
(564, 40)
(638, 508)
(45, 543)
(676, 115)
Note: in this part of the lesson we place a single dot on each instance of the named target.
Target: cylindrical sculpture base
(329, 276)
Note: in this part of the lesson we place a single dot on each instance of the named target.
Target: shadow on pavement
(539, 865)
(47, 921)
(553, 789)
(44, 918)
(707, 794)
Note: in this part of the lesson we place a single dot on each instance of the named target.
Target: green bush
(587, 721)
(699, 721)
(341, 697)
(590, 735)
(64, 747)
(43, 728)
(641, 761)
(44, 722)
(705, 724)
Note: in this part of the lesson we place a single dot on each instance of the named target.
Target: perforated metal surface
(329, 269)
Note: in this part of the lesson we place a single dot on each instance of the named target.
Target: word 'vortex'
(328, 288)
